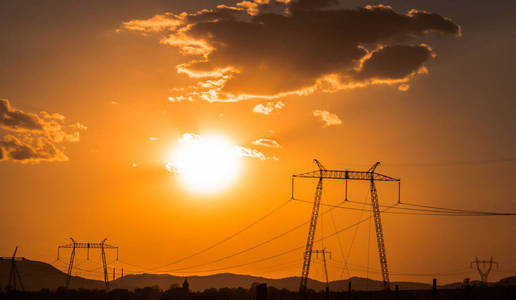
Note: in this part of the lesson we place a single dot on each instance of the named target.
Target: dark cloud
(311, 4)
(17, 120)
(257, 50)
(394, 62)
(36, 135)
(38, 149)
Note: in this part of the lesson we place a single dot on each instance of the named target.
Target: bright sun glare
(205, 164)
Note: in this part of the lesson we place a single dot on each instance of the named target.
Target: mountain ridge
(38, 275)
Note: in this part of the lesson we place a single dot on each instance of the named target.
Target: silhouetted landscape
(43, 281)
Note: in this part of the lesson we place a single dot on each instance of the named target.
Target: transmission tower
(369, 175)
(75, 245)
(323, 252)
(14, 274)
(484, 267)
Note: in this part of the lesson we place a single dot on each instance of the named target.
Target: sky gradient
(97, 94)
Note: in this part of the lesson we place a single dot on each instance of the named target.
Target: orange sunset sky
(167, 126)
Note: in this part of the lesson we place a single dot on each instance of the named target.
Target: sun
(205, 164)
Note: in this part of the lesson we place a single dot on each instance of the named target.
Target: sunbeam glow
(205, 164)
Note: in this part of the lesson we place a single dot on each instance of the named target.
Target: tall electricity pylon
(14, 274)
(484, 267)
(75, 245)
(369, 175)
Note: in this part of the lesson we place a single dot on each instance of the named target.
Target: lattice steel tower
(325, 252)
(14, 274)
(369, 175)
(75, 245)
(484, 267)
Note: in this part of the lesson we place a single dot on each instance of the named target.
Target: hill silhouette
(230, 280)
(38, 275)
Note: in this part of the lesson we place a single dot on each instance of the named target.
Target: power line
(354, 234)
(290, 250)
(454, 210)
(422, 212)
(252, 247)
(225, 239)
(377, 271)
(455, 163)
(426, 208)
(268, 257)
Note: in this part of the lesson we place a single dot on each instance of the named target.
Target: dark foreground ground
(154, 293)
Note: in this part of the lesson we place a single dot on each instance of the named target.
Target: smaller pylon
(14, 274)
(484, 267)
(75, 245)
(324, 252)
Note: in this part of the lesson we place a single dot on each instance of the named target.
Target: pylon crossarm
(341, 174)
(89, 245)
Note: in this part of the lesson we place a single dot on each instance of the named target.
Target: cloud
(16, 120)
(180, 98)
(268, 107)
(33, 137)
(403, 87)
(157, 23)
(28, 149)
(253, 153)
(327, 117)
(268, 49)
(267, 143)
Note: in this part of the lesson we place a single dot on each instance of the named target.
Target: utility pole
(14, 274)
(484, 267)
(75, 245)
(369, 175)
(323, 252)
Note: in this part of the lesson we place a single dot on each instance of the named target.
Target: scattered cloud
(268, 107)
(253, 153)
(157, 23)
(180, 98)
(268, 49)
(267, 143)
(403, 87)
(327, 117)
(33, 138)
